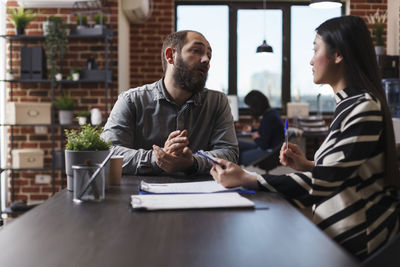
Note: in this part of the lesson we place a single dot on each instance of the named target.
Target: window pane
(259, 71)
(215, 29)
(303, 23)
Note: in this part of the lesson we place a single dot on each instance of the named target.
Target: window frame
(233, 7)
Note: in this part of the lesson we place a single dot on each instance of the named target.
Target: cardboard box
(27, 158)
(28, 113)
(297, 109)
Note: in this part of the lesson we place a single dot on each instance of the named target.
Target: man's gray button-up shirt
(146, 115)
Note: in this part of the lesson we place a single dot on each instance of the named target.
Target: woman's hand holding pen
(232, 175)
(294, 158)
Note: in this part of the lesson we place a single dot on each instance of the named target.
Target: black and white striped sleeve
(347, 146)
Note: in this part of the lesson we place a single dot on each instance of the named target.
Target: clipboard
(189, 201)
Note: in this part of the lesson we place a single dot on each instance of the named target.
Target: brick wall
(86, 95)
(364, 8)
(146, 41)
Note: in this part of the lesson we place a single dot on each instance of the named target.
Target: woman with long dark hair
(269, 133)
(352, 182)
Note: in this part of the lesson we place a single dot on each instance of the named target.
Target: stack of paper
(193, 195)
(192, 187)
(189, 201)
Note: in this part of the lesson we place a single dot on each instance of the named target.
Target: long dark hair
(257, 103)
(350, 37)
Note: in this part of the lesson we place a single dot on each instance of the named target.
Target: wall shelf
(106, 38)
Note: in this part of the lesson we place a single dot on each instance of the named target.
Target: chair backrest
(270, 160)
(233, 103)
(388, 255)
(312, 124)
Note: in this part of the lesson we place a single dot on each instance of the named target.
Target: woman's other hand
(255, 135)
(246, 128)
(294, 158)
(229, 175)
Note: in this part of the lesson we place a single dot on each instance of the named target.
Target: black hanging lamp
(325, 3)
(264, 47)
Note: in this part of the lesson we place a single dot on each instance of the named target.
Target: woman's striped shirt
(346, 184)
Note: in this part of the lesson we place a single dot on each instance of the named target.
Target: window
(235, 29)
(259, 71)
(303, 24)
(215, 29)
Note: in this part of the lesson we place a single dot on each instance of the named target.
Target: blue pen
(201, 153)
(286, 134)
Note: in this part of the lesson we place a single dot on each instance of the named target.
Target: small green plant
(87, 139)
(81, 20)
(20, 18)
(99, 18)
(56, 43)
(83, 113)
(64, 103)
(72, 72)
(377, 20)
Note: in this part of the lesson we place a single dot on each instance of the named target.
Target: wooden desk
(62, 233)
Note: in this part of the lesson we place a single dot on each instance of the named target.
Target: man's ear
(169, 55)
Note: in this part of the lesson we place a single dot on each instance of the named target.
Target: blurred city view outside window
(259, 71)
(304, 21)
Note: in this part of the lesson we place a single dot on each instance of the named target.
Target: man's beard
(189, 79)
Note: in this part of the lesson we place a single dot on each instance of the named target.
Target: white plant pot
(82, 120)
(379, 50)
(58, 77)
(95, 117)
(75, 76)
(65, 116)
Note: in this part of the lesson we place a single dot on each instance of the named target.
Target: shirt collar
(161, 93)
(346, 93)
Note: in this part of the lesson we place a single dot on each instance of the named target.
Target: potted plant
(74, 74)
(65, 106)
(20, 18)
(81, 21)
(82, 147)
(377, 20)
(82, 116)
(56, 45)
(99, 20)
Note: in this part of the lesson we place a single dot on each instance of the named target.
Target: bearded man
(158, 127)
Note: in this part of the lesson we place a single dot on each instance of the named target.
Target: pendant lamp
(264, 47)
(325, 3)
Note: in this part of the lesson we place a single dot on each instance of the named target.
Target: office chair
(387, 256)
(269, 161)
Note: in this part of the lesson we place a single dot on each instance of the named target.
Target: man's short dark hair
(176, 40)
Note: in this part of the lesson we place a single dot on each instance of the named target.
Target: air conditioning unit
(136, 10)
(47, 3)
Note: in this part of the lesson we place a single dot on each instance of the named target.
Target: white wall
(393, 28)
(123, 51)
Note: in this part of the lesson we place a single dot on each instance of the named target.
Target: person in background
(352, 182)
(269, 133)
(157, 127)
